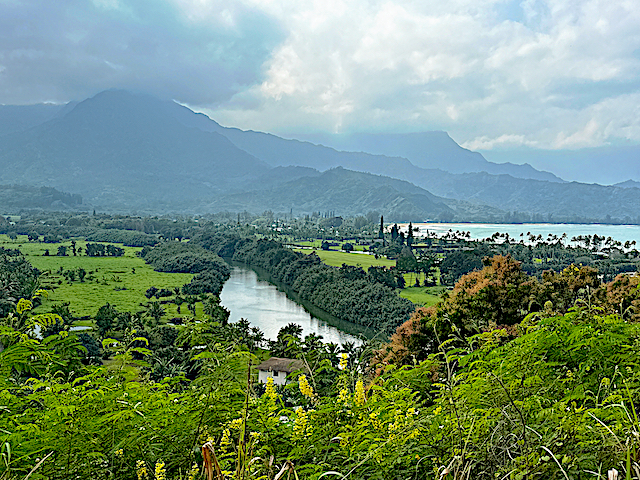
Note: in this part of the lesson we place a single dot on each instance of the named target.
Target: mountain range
(609, 165)
(430, 150)
(132, 152)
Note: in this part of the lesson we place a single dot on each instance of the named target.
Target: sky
(496, 75)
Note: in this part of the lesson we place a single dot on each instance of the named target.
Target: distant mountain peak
(628, 184)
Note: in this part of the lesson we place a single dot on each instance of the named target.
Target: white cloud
(589, 136)
(487, 143)
(493, 73)
(459, 66)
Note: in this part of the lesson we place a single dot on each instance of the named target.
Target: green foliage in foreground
(559, 401)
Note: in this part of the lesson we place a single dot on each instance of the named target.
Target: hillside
(607, 165)
(123, 151)
(343, 191)
(430, 150)
(559, 202)
(16, 197)
(120, 150)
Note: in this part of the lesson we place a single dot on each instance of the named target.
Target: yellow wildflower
(343, 396)
(235, 424)
(141, 470)
(301, 427)
(160, 472)
(225, 441)
(193, 472)
(343, 361)
(373, 417)
(305, 388)
(360, 397)
(270, 390)
(119, 452)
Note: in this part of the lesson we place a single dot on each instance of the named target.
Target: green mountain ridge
(131, 152)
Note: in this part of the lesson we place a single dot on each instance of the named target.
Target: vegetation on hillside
(487, 385)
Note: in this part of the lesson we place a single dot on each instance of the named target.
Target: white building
(278, 369)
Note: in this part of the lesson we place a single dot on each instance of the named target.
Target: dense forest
(514, 374)
(17, 197)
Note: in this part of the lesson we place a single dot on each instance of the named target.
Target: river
(246, 295)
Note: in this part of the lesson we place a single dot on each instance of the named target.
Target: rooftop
(287, 365)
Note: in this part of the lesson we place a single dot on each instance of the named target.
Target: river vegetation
(515, 374)
(349, 293)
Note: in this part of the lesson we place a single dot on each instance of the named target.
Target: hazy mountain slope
(553, 200)
(17, 118)
(351, 193)
(431, 150)
(122, 149)
(277, 151)
(15, 197)
(628, 184)
(279, 175)
(371, 153)
(563, 201)
(605, 165)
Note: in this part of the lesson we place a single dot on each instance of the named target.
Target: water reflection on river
(269, 309)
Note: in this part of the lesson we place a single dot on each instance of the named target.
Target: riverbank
(281, 305)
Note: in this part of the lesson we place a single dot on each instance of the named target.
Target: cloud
(493, 73)
(487, 143)
(60, 51)
(462, 66)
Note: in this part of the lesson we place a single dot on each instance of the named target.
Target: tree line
(348, 293)
(175, 257)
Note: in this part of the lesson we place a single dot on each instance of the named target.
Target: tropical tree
(155, 311)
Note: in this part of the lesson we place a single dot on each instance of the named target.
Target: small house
(278, 369)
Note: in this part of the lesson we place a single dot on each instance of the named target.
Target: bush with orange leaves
(497, 295)
(562, 289)
(622, 296)
(500, 295)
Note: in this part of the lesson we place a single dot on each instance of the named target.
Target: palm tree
(155, 311)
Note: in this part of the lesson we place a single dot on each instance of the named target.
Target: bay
(480, 231)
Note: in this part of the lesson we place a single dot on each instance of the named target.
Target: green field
(318, 243)
(426, 296)
(336, 259)
(314, 244)
(123, 281)
(109, 279)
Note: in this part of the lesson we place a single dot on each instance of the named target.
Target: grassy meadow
(123, 281)
(426, 296)
(336, 258)
(120, 281)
